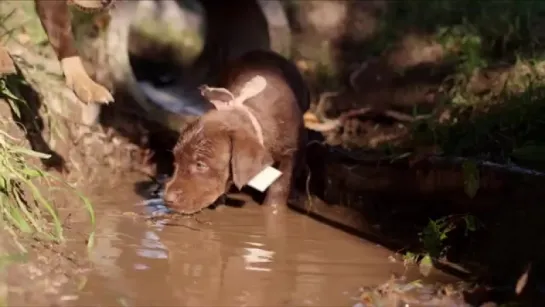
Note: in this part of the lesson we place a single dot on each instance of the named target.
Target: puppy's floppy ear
(248, 157)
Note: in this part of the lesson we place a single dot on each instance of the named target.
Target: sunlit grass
(494, 93)
(23, 206)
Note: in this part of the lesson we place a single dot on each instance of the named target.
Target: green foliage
(435, 234)
(479, 28)
(434, 239)
(512, 130)
(23, 207)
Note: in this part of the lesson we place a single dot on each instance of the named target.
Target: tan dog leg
(55, 18)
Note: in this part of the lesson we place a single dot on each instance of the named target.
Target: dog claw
(87, 90)
(90, 92)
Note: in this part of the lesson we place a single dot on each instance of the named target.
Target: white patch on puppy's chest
(264, 179)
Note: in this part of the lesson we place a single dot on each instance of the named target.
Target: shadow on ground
(25, 105)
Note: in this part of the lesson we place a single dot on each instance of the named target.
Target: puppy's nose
(170, 197)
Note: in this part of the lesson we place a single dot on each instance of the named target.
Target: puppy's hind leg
(56, 21)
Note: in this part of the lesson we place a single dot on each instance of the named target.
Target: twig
(307, 189)
(329, 125)
(322, 99)
(402, 117)
(356, 73)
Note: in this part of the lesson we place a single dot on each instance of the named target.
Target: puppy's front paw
(87, 90)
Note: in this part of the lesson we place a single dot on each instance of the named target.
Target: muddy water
(229, 256)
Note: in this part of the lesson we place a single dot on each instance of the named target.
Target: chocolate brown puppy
(232, 144)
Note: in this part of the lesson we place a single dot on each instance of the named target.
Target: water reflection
(255, 256)
(152, 247)
(242, 257)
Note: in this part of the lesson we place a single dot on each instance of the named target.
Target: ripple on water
(151, 247)
(237, 257)
(255, 256)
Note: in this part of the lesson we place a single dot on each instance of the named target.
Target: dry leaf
(302, 65)
(310, 117)
(523, 280)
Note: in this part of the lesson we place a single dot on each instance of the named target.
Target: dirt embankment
(39, 112)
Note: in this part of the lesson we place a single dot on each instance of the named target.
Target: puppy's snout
(170, 197)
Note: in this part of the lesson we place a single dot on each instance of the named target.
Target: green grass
(510, 131)
(503, 123)
(506, 122)
(23, 206)
(483, 31)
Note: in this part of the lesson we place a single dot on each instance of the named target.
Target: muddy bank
(44, 115)
(393, 200)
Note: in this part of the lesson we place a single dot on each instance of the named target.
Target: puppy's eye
(201, 166)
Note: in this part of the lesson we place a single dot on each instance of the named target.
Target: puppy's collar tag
(264, 179)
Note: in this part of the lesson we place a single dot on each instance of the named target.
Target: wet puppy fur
(221, 147)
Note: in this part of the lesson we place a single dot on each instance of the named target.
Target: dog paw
(77, 79)
(88, 91)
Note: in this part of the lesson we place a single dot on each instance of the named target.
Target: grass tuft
(23, 206)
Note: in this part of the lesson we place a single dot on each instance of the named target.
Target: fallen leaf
(425, 266)
(523, 280)
(302, 65)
